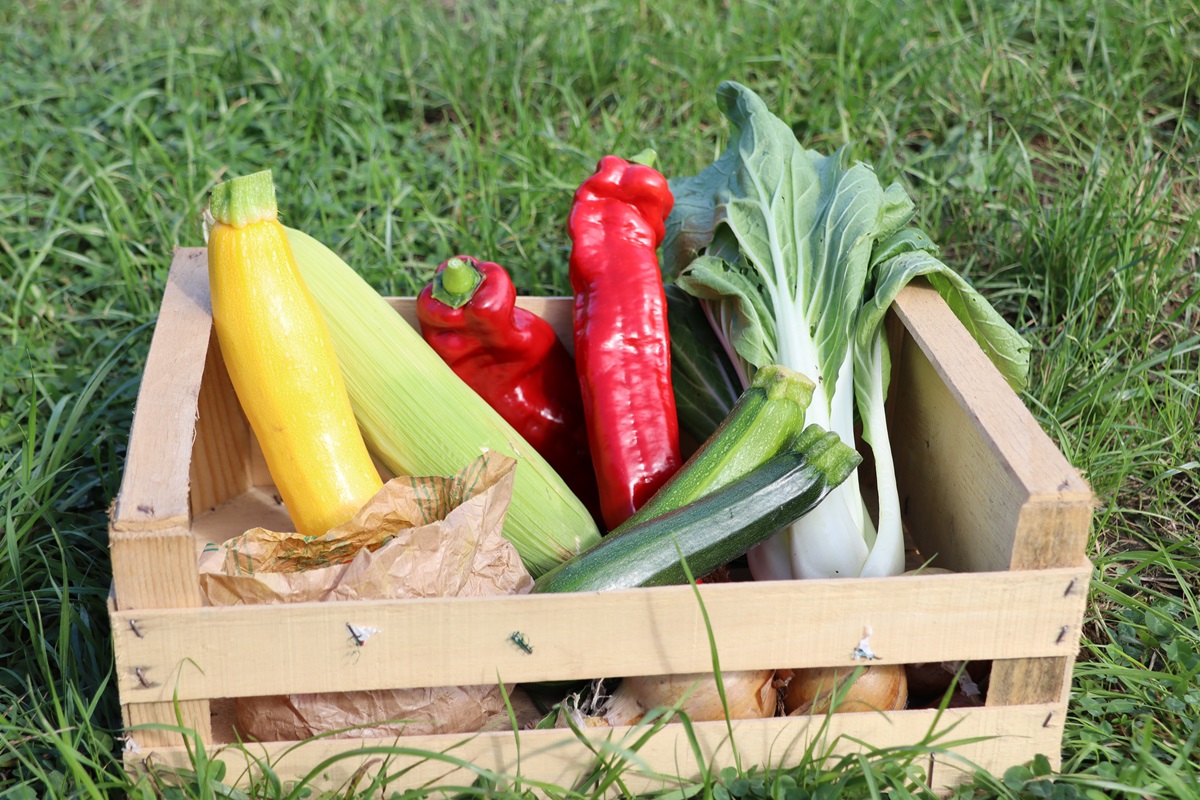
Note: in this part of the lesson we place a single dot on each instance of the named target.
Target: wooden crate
(981, 486)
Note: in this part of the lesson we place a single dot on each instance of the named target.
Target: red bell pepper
(622, 349)
(513, 359)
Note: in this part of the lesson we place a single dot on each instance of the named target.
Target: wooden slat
(1041, 680)
(220, 468)
(154, 488)
(253, 650)
(258, 507)
(1016, 680)
(1004, 737)
(153, 556)
(957, 497)
(1002, 458)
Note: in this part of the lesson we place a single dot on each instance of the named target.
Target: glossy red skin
(622, 349)
(513, 359)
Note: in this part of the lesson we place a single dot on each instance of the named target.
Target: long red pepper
(513, 359)
(622, 349)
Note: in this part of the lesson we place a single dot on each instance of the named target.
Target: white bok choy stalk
(797, 257)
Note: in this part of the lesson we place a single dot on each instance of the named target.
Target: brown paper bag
(418, 537)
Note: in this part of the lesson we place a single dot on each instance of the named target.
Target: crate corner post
(150, 540)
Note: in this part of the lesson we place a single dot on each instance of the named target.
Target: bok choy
(796, 257)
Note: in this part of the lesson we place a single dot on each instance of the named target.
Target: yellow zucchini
(281, 360)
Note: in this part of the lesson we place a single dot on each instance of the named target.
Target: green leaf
(1041, 789)
(1002, 345)
(705, 382)
(690, 226)
(1159, 626)
(804, 225)
(1016, 777)
(798, 256)
(710, 278)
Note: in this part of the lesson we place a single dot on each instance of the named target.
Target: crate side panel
(1051, 530)
(1006, 460)
(154, 485)
(246, 650)
(1043, 680)
(153, 559)
(1004, 737)
(982, 484)
(1026, 680)
(221, 462)
(257, 507)
(957, 499)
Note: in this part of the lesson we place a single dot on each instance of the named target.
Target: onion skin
(880, 687)
(751, 695)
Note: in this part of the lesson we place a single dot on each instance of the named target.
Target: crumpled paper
(418, 537)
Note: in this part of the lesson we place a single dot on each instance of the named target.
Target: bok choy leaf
(796, 257)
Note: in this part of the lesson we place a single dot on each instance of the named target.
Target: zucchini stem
(244, 200)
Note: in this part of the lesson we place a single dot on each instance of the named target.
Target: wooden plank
(251, 650)
(1007, 454)
(153, 558)
(221, 461)
(154, 488)
(1004, 737)
(257, 507)
(956, 496)
(1015, 679)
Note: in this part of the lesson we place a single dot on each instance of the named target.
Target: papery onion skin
(880, 687)
(751, 695)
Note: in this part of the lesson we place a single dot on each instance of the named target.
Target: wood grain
(1007, 468)
(982, 485)
(306, 647)
(220, 467)
(154, 486)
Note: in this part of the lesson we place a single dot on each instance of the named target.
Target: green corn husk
(419, 418)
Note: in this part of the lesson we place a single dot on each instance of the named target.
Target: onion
(751, 695)
(880, 687)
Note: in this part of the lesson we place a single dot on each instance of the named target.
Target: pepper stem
(456, 284)
(243, 200)
(646, 158)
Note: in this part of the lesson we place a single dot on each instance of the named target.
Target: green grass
(1053, 150)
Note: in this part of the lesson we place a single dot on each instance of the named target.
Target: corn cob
(419, 418)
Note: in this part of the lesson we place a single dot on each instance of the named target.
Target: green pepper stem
(456, 284)
(243, 200)
(646, 158)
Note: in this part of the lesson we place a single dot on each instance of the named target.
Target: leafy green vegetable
(797, 258)
(705, 382)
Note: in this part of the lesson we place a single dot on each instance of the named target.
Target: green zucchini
(766, 420)
(714, 529)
